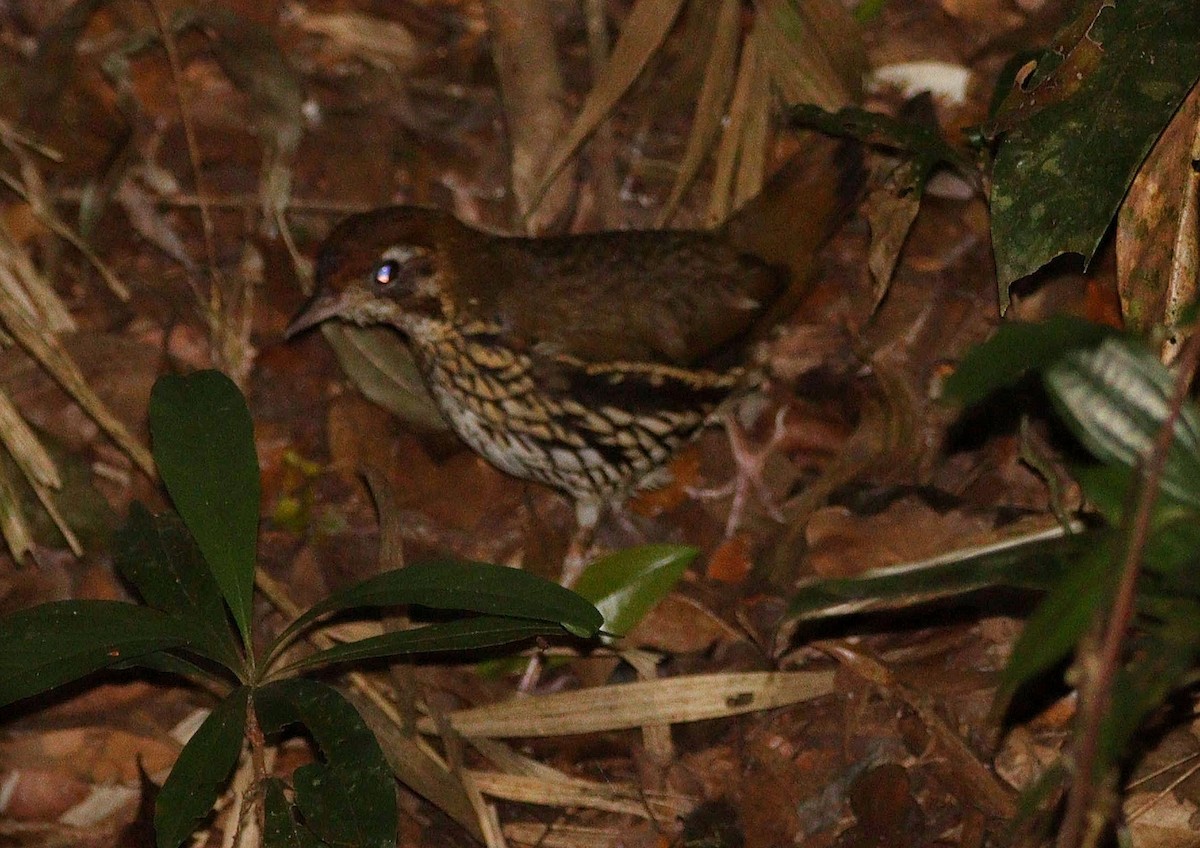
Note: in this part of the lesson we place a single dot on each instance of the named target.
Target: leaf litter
(789, 734)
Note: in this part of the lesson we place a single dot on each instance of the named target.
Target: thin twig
(1096, 689)
(603, 145)
(14, 136)
(238, 202)
(1166, 790)
(47, 217)
(193, 148)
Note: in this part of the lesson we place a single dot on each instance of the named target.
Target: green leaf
(1061, 171)
(326, 797)
(202, 770)
(281, 830)
(465, 635)
(1172, 552)
(1033, 561)
(627, 584)
(1115, 398)
(351, 799)
(158, 556)
(1061, 619)
(52, 644)
(923, 143)
(463, 585)
(1166, 653)
(203, 442)
(168, 663)
(1017, 348)
(1107, 488)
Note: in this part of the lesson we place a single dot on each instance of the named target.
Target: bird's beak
(320, 307)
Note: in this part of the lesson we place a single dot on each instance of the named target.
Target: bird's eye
(386, 274)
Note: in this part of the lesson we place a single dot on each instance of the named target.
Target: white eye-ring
(407, 265)
(385, 274)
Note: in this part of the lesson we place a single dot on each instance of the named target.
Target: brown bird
(583, 361)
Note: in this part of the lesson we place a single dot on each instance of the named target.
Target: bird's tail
(798, 210)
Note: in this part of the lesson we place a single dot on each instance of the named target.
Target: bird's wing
(677, 298)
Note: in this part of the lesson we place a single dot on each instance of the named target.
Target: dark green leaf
(1006, 81)
(1061, 173)
(326, 796)
(1033, 562)
(52, 644)
(168, 663)
(281, 828)
(351, 800)
(627, 584)
(463, 585)
(203, 442)
(1173, 550)
(1115, 398)
(1061, 618)
(200, 773)
(1166, 652)
(158, 556)
(1108, 490)
(923, 143)
(464, 635)
(1017, 348)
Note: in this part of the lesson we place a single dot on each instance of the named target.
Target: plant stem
(1095, 693)
(258, 761)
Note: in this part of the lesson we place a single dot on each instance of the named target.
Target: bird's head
(387, 266)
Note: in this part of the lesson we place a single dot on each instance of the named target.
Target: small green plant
(1122, 595)
(195, 573)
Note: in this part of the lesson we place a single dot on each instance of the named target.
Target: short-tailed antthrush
(580, 361)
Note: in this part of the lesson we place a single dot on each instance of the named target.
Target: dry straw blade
(630, 705)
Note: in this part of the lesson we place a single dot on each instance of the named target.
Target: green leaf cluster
(195, 573)
(1114, 395)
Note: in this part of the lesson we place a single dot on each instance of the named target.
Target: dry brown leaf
(1023, 758)
(629, 705)
(39, 794)
(678, 625)
(573, 792)
(813, 50)
(750, 74)
(891, 214)
(1157, 230)
(1161, 821)
(844, 545)
(54, 358)
(710, 107)
(380, 42)
(642, 34)
(562, 836)
(526, 60)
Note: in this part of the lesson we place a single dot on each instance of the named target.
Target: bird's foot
(579, 554)
(579, 550)
(750, 462)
